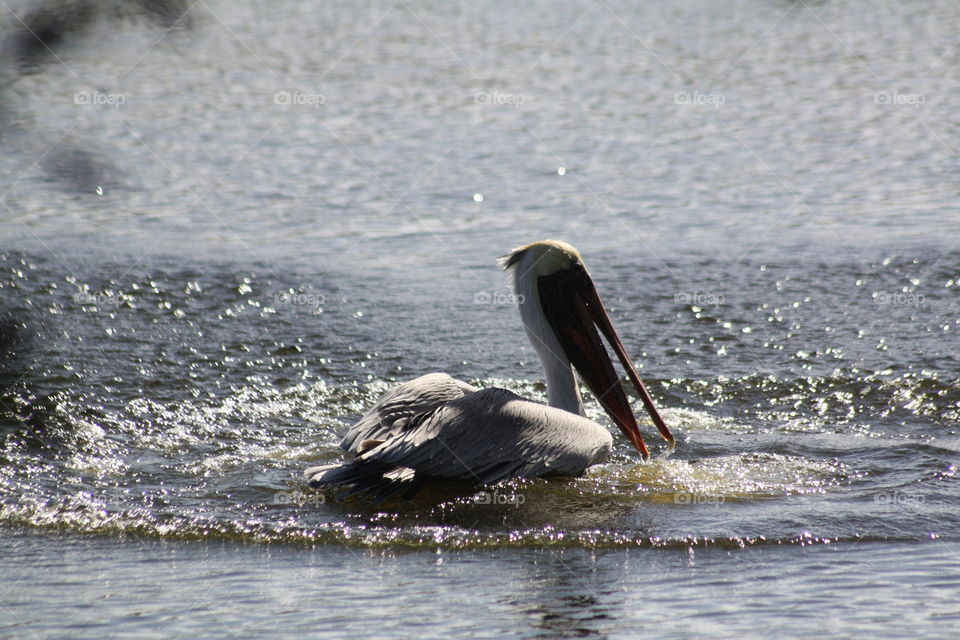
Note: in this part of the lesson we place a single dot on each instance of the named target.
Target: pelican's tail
(374, 480)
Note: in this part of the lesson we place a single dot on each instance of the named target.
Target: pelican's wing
(484, 437)
(393, 412)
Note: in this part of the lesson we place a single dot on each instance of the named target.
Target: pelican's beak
(572, 306)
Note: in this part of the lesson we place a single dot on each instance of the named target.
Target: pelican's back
(393, 411)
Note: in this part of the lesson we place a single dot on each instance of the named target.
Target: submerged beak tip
(640, 445)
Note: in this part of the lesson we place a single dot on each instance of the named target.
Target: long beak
(573, 308)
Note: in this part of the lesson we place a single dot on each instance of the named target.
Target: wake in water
(195, 470)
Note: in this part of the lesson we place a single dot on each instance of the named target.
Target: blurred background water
(227, 227)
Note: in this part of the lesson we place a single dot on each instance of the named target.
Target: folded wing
(482, 437)
(392, 414)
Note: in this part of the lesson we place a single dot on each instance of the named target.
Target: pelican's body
(445, 428)
(437, 427)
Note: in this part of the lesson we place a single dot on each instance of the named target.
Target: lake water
(223, 236)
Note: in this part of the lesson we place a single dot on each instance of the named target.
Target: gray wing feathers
(494, 433)
(392, 414)
(482, 437)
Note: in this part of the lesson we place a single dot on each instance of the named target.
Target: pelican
(438, 428)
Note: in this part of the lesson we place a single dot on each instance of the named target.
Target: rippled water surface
(225, 234)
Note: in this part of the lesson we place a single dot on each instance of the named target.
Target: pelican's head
(562, 312)
(543, 258)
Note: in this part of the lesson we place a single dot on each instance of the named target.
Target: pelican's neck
(562, 390)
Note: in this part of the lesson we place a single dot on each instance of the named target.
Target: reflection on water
(327, 591)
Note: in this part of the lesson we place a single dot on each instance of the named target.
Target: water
(328, 592)
(248, 226)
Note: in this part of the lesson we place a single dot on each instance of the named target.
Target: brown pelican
(435, 427)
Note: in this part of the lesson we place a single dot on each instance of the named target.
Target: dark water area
(226, 232)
